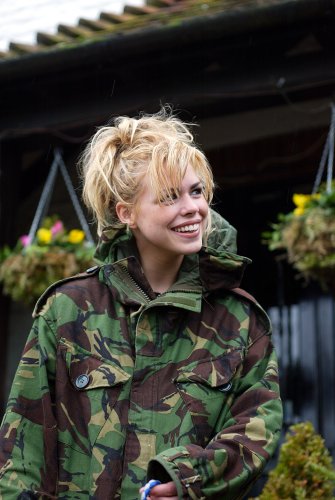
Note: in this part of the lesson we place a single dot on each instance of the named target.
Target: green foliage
(304, 471)
(54, 254)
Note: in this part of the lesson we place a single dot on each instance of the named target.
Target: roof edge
(215, 25)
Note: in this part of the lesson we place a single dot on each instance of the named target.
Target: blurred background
(257, 76)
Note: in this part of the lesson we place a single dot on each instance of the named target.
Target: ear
(125, 214)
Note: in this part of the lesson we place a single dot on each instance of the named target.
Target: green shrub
(304, 469)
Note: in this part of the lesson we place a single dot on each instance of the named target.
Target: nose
(189, 205)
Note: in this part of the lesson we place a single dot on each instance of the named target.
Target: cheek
(151, 225)
(205, 212)
(204, 208)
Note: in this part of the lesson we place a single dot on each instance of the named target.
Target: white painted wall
(21, 19)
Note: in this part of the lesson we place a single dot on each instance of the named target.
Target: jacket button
(91, 269)
(226, 387)
(82, 381)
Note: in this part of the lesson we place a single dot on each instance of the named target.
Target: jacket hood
(223, 235)
(220, 266)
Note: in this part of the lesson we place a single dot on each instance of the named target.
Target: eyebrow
(193, 186)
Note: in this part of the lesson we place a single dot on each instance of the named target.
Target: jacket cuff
(175, 465)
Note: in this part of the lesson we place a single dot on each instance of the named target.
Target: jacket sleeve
(236, 456)
(27, 434)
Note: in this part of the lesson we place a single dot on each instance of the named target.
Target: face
(176, 227)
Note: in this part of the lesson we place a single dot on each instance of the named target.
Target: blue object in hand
(148, 487)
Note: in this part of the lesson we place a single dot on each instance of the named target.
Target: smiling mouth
(191, 228)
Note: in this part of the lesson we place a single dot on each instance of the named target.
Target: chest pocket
(87, 390)
(207, 389)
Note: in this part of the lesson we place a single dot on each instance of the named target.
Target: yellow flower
(298, 211)
(300, 200)
(76, 236)
(44, 236)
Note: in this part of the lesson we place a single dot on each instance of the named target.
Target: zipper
(182, 290)
(134, 283)
(125, 273)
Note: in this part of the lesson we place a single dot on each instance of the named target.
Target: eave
(213, 59)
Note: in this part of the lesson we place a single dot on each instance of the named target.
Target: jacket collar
(216, 267)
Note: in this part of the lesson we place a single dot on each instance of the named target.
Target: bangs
(168, 166)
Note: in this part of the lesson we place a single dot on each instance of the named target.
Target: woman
(152, 365)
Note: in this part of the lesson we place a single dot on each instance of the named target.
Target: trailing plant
(54, 253)
(307, 236)
(304, 470)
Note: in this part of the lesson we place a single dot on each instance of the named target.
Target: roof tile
(50, 39)
(100, 25)
(74, 31)
(153, 12)
(161, 3)
(23, 48)
(146, 9)
(115, 18)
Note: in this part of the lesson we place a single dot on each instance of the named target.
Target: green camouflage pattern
(117, 385)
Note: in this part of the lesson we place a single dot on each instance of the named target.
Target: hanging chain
(58, 162)
(74, 197)
(331, 151)
(45, 196)
(328, 152)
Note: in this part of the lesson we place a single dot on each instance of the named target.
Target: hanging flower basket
(307, 236)
(55, 253)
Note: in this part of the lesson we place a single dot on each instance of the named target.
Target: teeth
(187, 229)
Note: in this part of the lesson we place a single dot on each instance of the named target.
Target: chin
(193, 249)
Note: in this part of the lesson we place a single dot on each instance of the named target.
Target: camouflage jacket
(117, 385)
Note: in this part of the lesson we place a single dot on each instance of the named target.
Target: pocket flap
(213, 372)
(88, 371)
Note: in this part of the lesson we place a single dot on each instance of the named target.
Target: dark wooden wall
(305, 337)
(10, 165)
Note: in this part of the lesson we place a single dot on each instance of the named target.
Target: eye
(197, 191)
(168, 199)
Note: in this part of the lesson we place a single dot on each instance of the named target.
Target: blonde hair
(117, 158)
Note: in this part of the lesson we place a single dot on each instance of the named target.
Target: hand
(163, 491)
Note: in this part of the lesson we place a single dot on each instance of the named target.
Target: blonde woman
(151, 375)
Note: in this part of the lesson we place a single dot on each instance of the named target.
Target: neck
(161, 273)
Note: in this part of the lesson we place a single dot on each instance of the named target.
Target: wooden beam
(80, 100)
(241, 128)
